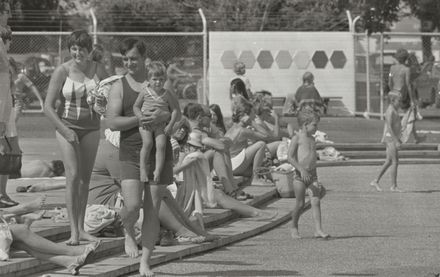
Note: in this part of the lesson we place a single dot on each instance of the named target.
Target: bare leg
(71, 156)
(300, 190)
(147, 145)
(132, 194)
(387, 163)
(273, 147)
(150, 226)
(253, 160)
(227, 202)
(88, 147)
(392, 152)
(47, 185)
(62, 260)
(21, 233)
(160, 154)
(316, 211)
(28, 207)
(223, 171)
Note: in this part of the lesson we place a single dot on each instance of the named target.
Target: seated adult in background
(238, 93)
(272, 135)
(217, 117)
(306, 95)
(216, 148)
(192, 163)
(246, 159)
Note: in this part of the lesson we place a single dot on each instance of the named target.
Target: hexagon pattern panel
(228, 59)
(248, 58)
(338, 59)
(320, 59)
(302, 60)
(284, 59)
(265, 59)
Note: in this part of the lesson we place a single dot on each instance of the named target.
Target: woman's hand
(154, 116)
(70, 135)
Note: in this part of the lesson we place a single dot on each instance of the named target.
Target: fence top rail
(401, 34)
(116, 33)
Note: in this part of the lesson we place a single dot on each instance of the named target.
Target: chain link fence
(37, 54)
(374, 56)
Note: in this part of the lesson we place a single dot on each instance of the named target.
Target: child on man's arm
(302, 155)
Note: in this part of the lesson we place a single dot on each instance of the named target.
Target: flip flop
(327, 236)
(71, 243)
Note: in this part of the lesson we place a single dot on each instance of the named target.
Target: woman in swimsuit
(77, 125)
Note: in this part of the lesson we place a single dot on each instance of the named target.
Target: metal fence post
(381, 76)
(205, 58)
(95, 26)
(367, 63)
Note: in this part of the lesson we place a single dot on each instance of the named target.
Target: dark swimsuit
(131, 143)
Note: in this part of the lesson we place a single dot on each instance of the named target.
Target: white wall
(300, 46)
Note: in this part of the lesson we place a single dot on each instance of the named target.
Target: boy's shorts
(313, 187)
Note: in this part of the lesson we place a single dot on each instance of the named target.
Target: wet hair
(238, 87)
(241, 109)
(187, 107)
(401, 55)
(308, 77)
(156, 69)
(6, 34)
(130, 43)
(238, 66)
(80, 38)
(195, 110)
(58, 167)
(307, 116)
(218, 112)
(97, 53)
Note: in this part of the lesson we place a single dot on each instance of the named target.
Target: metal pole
(95, 26)
(381, 76)
(350, 21)
(205, 58)
(367, 63)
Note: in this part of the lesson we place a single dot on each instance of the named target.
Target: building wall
(276, 61)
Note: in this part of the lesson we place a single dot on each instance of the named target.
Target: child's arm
(175, 113)
(138, 105)
(292, 158)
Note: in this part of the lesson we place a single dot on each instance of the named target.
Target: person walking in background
(153, 96)
(409, 95)
(392, 141)
(302, 156)
(77, 125)
(8, 130)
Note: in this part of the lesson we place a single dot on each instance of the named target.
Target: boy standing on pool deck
(302, 155)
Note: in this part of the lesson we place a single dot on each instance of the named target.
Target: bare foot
(376, 185)
(321, 234)
(81, 260)
(295, 234)
(36, 205)
(144, 269)
(265, 215)
(396, 189)
(130, 245)
(83, 235)
(28, 219)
